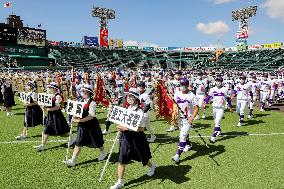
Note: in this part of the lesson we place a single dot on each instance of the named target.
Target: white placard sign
(125, 117)
(44, 99)
(24, 97)
(75, 108)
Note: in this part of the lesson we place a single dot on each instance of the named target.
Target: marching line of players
(191, 93)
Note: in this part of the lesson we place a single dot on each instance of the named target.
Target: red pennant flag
(87, 78)
(165, 103)
(103, 37)
(126, 105)
(58, 78)
(73, 76)
(101, 96)
(114, 75)
(133, 81)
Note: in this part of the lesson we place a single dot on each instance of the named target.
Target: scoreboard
(8, 35)
(22, 36)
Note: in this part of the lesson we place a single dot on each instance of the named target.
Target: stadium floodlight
(103, 14)
(243, 15)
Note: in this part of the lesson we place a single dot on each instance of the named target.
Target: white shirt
(186, 102)
(242, 91)
(228, 84)
(254, 87)
(149, 86)
(219, 96)
(144, 100)
(92, 107)
(265, 86)
(175, 86)
(200, 86)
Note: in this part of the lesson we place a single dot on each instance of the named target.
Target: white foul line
(165, 138)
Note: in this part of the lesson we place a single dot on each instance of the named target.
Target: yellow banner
(272, 46)
(115, 43)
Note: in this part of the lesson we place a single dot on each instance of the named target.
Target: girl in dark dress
(88, 131)
(1, 94)
(133, 144)
(33, 113)
(55, 122)
(9, 100)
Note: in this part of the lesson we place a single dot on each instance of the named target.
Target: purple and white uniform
(255, 87)
(219, 97)
(200, 86)
(264, 92)
(186, 102)
(243, 93)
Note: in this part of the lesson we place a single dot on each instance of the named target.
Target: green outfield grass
(237, 160)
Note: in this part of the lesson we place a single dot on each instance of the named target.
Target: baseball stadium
(95, 108)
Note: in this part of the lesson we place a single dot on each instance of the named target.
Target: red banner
(165, 103)
(126, 90)
(242, 34)
(103, 38)
(100, 93)
(133, 81)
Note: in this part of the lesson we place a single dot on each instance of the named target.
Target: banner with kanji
(164, 102)
(103, 37)
(100, 92)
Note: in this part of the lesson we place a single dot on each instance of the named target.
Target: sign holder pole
(103, 171)
(69, 141)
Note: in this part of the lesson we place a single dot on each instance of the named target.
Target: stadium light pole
(104, 15)
(243, 15)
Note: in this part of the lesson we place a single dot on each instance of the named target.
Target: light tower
(243, 16)
(104, 15)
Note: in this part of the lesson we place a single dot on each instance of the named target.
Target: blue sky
(161, 22)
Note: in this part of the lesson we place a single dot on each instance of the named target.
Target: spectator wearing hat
(133, 144)
(88, 131)
(55, 122)
(33, 113)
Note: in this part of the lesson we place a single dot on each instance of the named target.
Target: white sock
(120, 180)
(74, 158)
(150, 129)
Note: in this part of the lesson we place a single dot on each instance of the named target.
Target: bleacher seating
(82, 57)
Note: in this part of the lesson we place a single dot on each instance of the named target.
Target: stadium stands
(269, 59)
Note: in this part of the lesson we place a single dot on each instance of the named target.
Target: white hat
(134, 92)
(32, 84)
(53, 85)
(87, 87)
